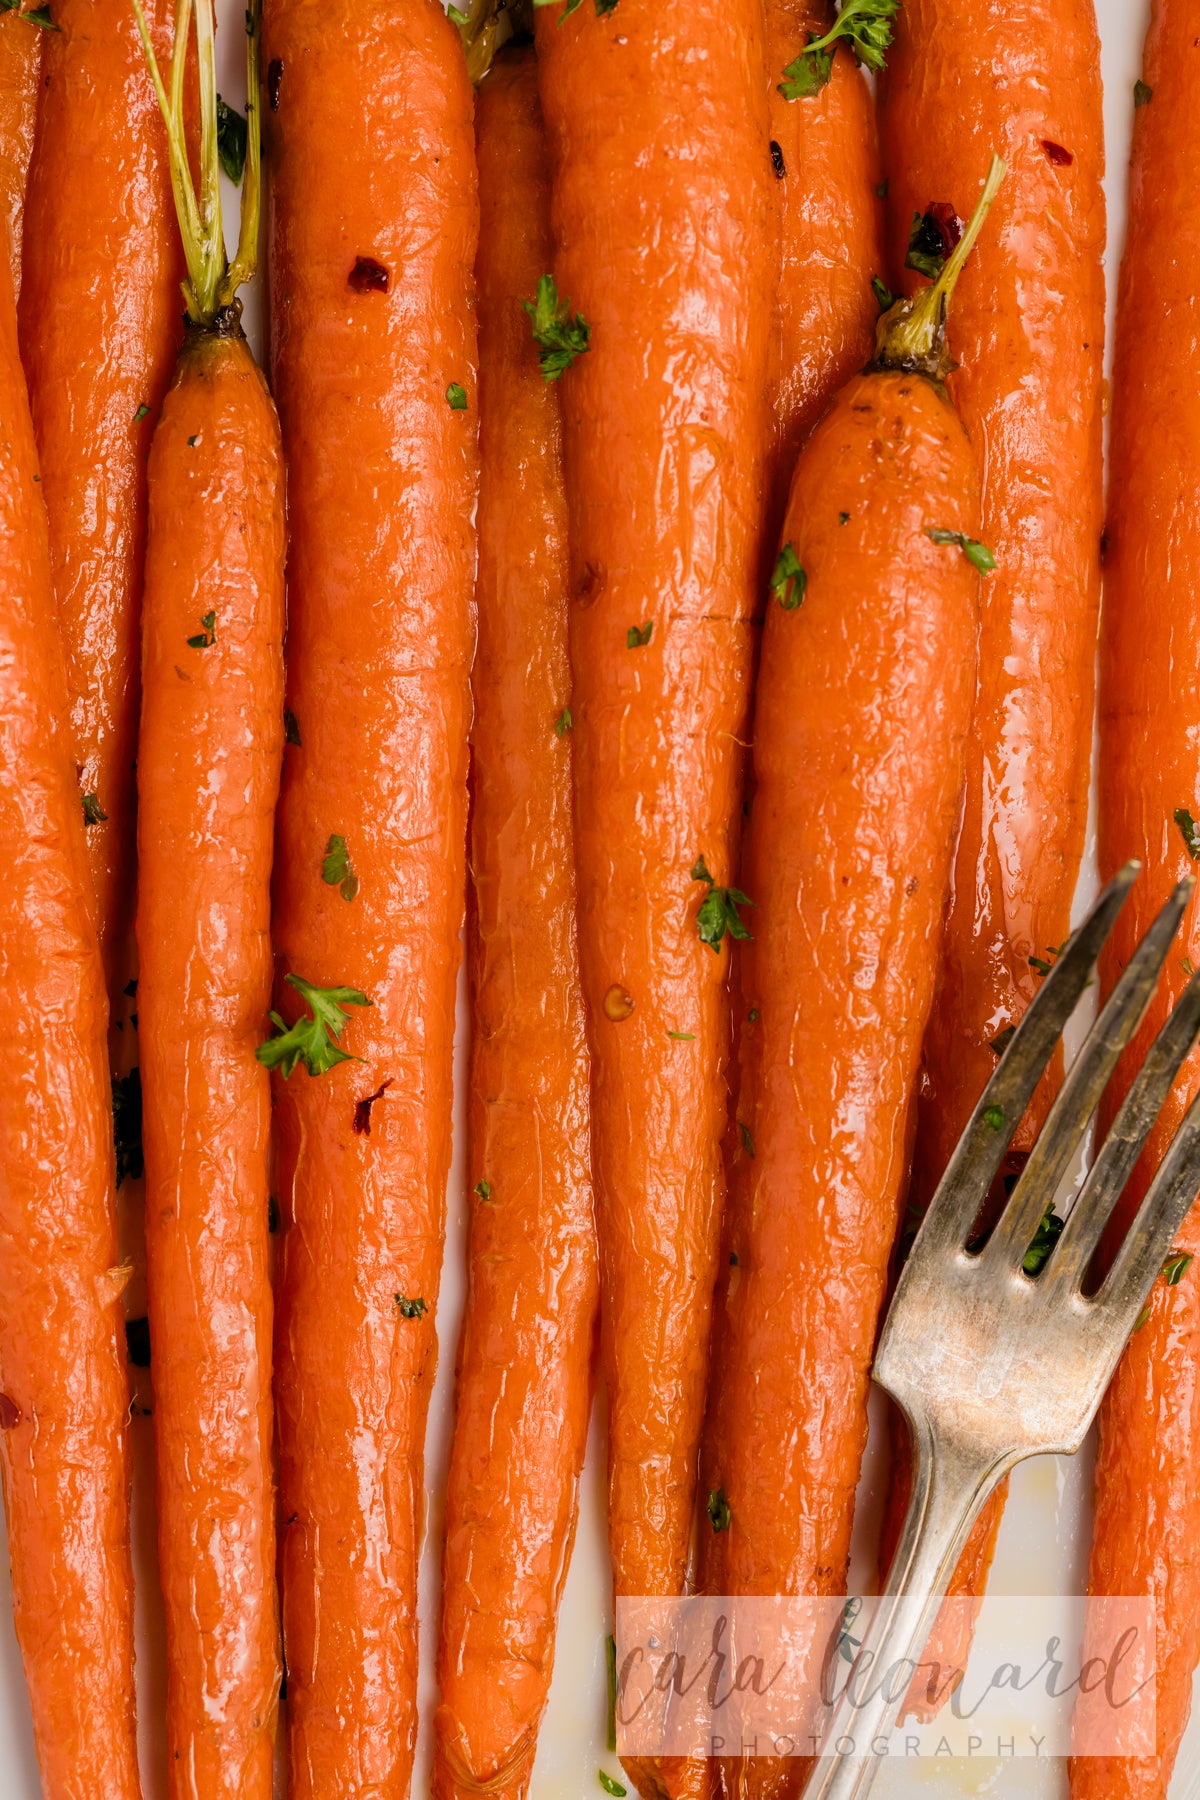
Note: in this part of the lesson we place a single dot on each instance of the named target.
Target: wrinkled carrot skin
(20, 67)
(1144, 1538)
(847, 853)
(665, 432)
(966, 79)
(64, 1411)
(830, 222)
(101, 265)
(525, 1355)
(382, 477)
(209, 755)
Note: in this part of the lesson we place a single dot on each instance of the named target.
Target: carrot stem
(912, 333)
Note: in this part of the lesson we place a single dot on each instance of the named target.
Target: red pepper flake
(368, 276)
(362, 1110)
(942, 214)
(10, 1413)
(274, 81)
(1056, 153)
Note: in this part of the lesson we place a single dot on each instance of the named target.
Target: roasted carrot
(872, 626)
(961, 77)
(372, 324)
(825, 159)
(64, 1399)
(101, 264)
(1144, 1538)
(20, 66)
(209, 755)
(525, 1354)
(665, 433)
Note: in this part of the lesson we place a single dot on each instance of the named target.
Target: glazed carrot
(665, 433)
(525, 1354)
(64, 1399)
(372, 324)
(209, 755)
(825, 158)
(961, 77)
(20, 66)
(1149, 797)
(100, 246)
(872, 626)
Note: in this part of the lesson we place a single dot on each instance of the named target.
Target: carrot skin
(382, 476)
(101, 262)
(847, 853)
(524, 1359)
(1144, 1534)
(209, 755)
(64, 1397)
(665, 431)
(831, 229)
(20, 69)
(965, 80)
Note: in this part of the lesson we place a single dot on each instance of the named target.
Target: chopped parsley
(1002, 1039)
(718, 912)
(38, 15)
(977, 554)
(639, 635)
(788, 579)
(563, 723)
(994, 1116)
(682, 1037)
(608, 1782)
(866, 26)
(207, 637)
(143, 412)
(719, 1515)
(127, 1125)
(883, 294)
(312, 1041)
(1176, 1266)
(1188, 831)
(232, 134)
(747, 1140)
(336, 869)
(1044, 1240)
(456, 395)
(1143, 93)
(1042, 965)
(560, 334)
(483, 1189)
(410, 1309)
(93, 812)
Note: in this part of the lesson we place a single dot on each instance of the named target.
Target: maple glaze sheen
(1145, 1502)
(668, 257)
(525, 1355)
(20, 67)
(209, 753)
(966, 78)
(847, 854)
(64, 1458)
(100, 310)
(830, 222)
(382, 477)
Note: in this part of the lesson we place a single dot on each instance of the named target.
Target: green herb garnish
(788, 579)
(976, 553)
(560, 334)
(38, 15)
(206, 638)
(609, 1782)
(563, 723)
(1143, 93)
(718, 912)
(456, 395)
(312, 1041)
(1002, 1039)
(994, 1116)
(639, 635)
(233, 133)
(483, 1189)
(747, 1140)
(143, 412)
(410, 1309)
(719, 1515)
(1188, 831)
(866, 25)
(93, 812)
(336, 869)
(885, 299)
(1044, 1240)
(1176, 1266)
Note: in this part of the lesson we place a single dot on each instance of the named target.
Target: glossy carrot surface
(666, 434)
(209, 755)
(525, 1355)
(371, 322)
(1149, 788)
(101, 266)
(64, 1398)
(965, 78)
(20, 66)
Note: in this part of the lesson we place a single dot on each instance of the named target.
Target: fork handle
(949, 1487)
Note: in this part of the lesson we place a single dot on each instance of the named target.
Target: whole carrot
(872, 625)
(524, 1358)
(100, 266)
(20, 65)
(825, 159)
(1028, 335)
(666, 256)
(372, 335)
(209, 754)
(64, 1399)
(1149, 799)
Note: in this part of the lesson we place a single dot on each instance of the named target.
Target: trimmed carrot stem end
(912, 333)
(485, 26)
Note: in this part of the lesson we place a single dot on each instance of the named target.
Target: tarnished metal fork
(969, 1335)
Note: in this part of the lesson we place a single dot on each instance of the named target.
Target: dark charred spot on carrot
(1143, 93)
(1055, 153)
(932, 236)
(10, 1413)
(912, 886)
(273, 1218)
(137, 1342)
(362, 1110)
(777, 162)
(733, 1259)
(274, 82)
(368, 276)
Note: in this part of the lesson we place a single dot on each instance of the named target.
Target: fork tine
(1085, 1082)
(1152, 1232)
(1124, 1143)
(980, 1151)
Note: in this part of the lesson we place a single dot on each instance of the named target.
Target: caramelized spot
(368, 276)
(362, 1110)
(10, 1413)
(618, 1003)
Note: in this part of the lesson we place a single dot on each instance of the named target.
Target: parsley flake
(410, 1309)
(1188, 831)
(788, 579)
(718, 913)
(1044, 1240)
(93, 812)
(639, 635)
(483, 1189)
(143, 412)
(456, 395)
(1143, 93)
(866, 26)
(560, 335)
(336, 869)
(747, 1140)
(38, 15)
(719, 1514)
(563, 723)
(884, 297)
(312, 1041)
(1176, 1266)
(610, 1784)
(994, 1116)
(207, 637)
(977, 554)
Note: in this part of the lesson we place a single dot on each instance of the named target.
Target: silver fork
(969, 1334)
